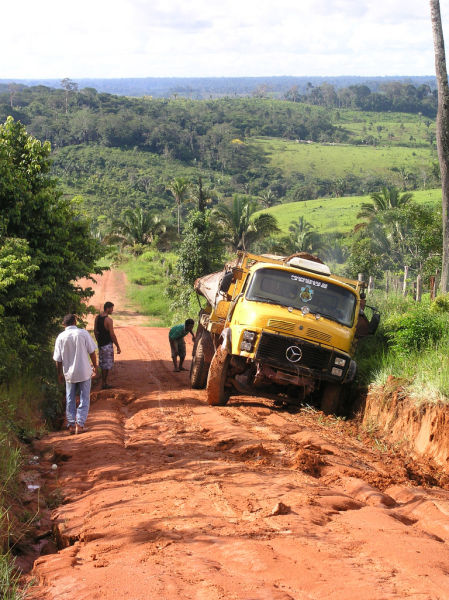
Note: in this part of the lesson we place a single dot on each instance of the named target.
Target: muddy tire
(217, 393)
(199, 368)
(331, 398)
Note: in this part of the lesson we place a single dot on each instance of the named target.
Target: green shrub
(440, 304)
(416, 329)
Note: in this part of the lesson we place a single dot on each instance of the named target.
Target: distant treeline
(214, 87)
(392, 96)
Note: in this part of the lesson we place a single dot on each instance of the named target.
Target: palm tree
(202, 195)
(136, 226)
(303, 238)
(179, 187)
(239, 227)
(268, 197)
(383, 201)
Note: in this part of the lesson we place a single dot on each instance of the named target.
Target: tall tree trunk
(442, 131)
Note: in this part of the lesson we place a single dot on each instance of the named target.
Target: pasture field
(327, 161)
(334, 214)
(394, 129)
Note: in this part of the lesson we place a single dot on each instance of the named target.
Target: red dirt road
(167, 498)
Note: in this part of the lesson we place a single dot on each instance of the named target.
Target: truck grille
(272, 350)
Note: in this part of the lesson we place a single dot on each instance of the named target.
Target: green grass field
(335, 214)
(341, 160)
(398, 129)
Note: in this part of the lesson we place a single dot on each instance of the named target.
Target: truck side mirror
(226, 282)
(374, 323)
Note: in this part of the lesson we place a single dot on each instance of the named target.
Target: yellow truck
(278, 326)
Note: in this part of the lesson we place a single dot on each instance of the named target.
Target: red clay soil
(168, 498)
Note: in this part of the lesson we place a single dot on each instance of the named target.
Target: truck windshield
(290, 289)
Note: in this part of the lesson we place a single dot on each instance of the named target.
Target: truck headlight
(248, 339)
(246, 346)
(337, 372)
(249, 336)
(340, 362)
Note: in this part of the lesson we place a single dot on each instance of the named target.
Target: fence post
(404, 285)
(370, 284)
(418, 288)
(432, 287)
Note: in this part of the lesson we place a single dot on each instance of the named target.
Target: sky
(216, 38)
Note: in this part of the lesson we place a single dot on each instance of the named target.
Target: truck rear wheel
(331, 398)
(217, 394)
(199, 368)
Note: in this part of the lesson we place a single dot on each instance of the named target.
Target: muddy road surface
(165, 497)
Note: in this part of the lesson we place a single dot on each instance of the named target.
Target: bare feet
(79, 429)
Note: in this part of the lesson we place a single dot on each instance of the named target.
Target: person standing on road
(105, 336)
(73, 347)
(176, 337)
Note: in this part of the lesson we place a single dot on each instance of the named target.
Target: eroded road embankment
(165, 498)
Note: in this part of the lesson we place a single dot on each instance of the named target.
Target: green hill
(334, 214)
(314, 160)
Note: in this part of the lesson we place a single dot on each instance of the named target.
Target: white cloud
(139, 38)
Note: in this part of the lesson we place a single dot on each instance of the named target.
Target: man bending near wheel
(176, 337)
(105, 336)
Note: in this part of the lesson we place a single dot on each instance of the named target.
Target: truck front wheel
(217, 393)
(331, 398)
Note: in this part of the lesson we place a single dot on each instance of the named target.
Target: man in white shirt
(73, 347)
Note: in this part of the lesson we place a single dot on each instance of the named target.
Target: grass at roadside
(147, 275)
(10, 587)
(412, 344)
(22, 404)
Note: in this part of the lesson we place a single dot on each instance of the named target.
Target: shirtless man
(105, 336)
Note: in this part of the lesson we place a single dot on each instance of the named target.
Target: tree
(136, 227)
(382, 201)
(202, 195)
(13, 89)
(179, 187)
(240, 229)
(442, 132)
(268, 197)
(302, 238)
(69, 86)
(201, 250)
(406, 235)
(43, 237)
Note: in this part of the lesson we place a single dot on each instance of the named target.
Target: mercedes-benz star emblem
(293, 354)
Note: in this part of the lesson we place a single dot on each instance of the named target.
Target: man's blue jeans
(72, 413)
